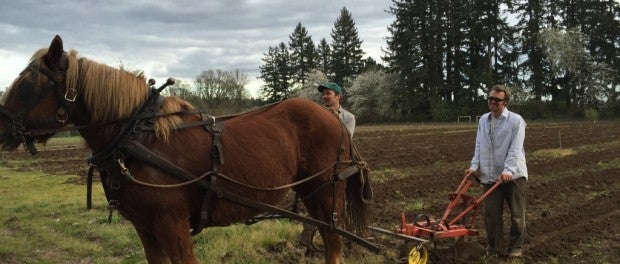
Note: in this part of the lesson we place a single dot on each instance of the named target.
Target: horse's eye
(26, 91)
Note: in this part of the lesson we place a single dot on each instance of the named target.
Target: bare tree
(215, 87)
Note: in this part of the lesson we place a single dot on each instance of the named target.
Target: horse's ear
(54, 53)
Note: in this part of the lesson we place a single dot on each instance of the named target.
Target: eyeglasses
(495, 99)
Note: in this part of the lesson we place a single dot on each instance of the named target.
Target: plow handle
(476, 203)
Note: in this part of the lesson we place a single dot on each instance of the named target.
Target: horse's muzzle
(8, 140)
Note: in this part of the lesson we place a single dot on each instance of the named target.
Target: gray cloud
(177, 38)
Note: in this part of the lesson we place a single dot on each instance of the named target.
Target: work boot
(515, 253)
(491, 252)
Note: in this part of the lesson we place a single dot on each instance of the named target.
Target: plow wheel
(413, 253)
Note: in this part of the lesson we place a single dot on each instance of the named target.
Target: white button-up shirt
(500, 151)
(348, 120)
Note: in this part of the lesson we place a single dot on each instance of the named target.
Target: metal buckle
(61, 115)
(123, 168)
(71, 94)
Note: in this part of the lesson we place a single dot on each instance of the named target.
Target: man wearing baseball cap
(331, 98)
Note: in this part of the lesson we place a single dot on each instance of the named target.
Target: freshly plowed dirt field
(573, 191)
(573, 200)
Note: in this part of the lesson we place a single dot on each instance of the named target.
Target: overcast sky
(179, 38)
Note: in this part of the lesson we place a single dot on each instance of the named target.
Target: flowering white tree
(371, 96)
(587, 81)
(309, 88)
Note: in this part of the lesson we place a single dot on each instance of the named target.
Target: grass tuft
(553, 153)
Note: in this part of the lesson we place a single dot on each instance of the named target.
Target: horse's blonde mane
(112, 94)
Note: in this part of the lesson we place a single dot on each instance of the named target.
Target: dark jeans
(514, 193)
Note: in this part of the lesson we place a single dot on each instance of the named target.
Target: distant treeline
(561, 58)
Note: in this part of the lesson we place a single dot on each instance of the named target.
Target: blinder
(29, 96)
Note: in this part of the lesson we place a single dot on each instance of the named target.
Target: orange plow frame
(426, 228)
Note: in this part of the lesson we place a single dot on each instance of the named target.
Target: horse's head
(39, 98)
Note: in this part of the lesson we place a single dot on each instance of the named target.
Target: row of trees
(561, 57)
(217, 92)
(563, 52)
(286, 68)
(558, 56)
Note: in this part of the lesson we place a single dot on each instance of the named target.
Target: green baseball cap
(332, 86)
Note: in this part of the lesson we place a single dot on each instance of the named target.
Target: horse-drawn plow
(423, 231)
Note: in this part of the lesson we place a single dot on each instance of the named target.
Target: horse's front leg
(172, 232)
(322, 209)
(152, 249)
(168, 241)
(333, 247)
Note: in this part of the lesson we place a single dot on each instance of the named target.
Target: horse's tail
(359, 194)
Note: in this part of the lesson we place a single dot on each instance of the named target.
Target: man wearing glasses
(500, 156)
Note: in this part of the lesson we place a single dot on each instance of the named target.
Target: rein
(126, 173)
(51, 131)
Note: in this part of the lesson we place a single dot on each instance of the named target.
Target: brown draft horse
(267, 148)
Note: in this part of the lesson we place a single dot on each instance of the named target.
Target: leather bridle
(18, 121)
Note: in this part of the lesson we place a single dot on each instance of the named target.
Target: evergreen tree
(415, 53)
(324, 57)
(507, 53)
(276, 72)
(371, 64)
(500, 51)
(403, 53)
(303, 54)
(346, 55)
(457, 18)
(602, 27)
(612, 51)
(535, 67)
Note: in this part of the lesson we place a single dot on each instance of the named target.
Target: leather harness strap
(138, 150)
(110, 163)
(217, 159)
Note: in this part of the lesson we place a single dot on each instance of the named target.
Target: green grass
(552, 153)
(43, 219)
(59, 141)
